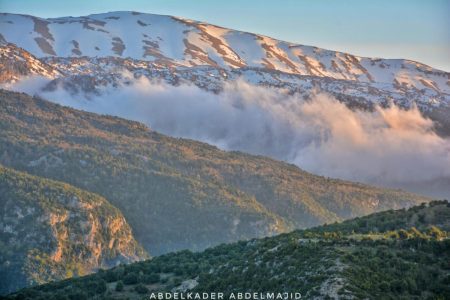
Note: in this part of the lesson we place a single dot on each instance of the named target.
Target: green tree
(131, 278)
(141, 289)
(119, 286)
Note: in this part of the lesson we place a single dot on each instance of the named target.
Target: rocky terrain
(51, 231)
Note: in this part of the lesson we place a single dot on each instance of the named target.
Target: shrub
(149, 279)
(110, 276)
(131, 278)
(141, 289)
(101, 287)
(119, 286)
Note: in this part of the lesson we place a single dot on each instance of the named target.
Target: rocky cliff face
(52, 231)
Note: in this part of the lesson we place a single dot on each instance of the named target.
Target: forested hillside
(408, 260)
(176, 193)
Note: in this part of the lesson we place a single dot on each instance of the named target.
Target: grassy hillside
(176, 193)
(51, 231)
(408, 260)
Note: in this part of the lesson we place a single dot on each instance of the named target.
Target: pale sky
(411, 29)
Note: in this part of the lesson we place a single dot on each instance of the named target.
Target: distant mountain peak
(187, 42)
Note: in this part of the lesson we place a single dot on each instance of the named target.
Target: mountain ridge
(222, 27)
(181, 51)
(174, 179)
(203, 44)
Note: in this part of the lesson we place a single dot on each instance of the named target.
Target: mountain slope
(17, 63)
(182, 42)
(51, 231)
(406, 261)
(176, 193)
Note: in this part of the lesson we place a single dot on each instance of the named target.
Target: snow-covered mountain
(90, 53)
(180, 42)
(16, 63)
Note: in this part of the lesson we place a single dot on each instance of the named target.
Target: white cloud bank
(389, 146)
